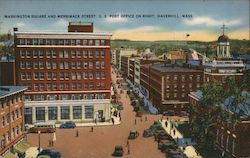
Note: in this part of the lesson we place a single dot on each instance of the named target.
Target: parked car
(49, 153)
(169, 113)
(118, 151)
(172, 153)
(147, 133)
(133, 134)
(68, 124)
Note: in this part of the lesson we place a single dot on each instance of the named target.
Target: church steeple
(223, 46)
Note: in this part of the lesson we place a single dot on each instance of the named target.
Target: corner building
(67, 74)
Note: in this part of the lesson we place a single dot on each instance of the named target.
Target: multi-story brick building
(68, 74)
(131, 68)
(7, 71)
(12, 119)
(122, 52)
(125, 65)
(232, 138)
(169, 86)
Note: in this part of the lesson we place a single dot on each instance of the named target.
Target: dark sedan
(68, 124)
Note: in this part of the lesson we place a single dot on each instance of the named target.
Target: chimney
(15, 29)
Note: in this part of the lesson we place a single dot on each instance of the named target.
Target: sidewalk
(190, 151)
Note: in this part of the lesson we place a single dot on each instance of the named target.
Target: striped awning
(21, 147)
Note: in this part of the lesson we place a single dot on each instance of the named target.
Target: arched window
(3, 141)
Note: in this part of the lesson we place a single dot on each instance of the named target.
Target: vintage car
(118, 151)
(147, 133)
(133, 134)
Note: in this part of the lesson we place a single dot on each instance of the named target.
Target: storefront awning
(21, 147)
(9, 155)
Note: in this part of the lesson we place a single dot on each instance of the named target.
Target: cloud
(116, 19)
(209, 21)
(20, 24)
(61, 23)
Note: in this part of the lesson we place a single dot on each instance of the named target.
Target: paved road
(101, 142)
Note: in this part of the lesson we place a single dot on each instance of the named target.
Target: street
(101, 142)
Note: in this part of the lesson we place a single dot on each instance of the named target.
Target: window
(61, 42)
(91, 75)
(66, 75)
(86, 75)
(79, 86)
(22, 65)
(53, 54)
(41, 66)
(8, 136)
(28, 54)
(79, 65)
(97, 54)
(61, 76)
(48, 53)
(60, 54)
(54, 75)
(40, 41)
(167, 78)
(65, 111)
(198, 77)
(103, 75)
(85, 42)
(97, 65)
(41, 76)
(77, 112)
(182, 78)
(73, 42)
(90, 54)
(78, 42)
(85, 64)
(89, 112)
(73, 54)
(64, 96)
(85, 54)
(79, 75)
(41, 87)
(86, 85)
(91, 85)
(13, 133)
(17, 130)
(97, 42)
(73, 86)
(54, 65)
(21, 42)
(51, 97)
(102, 54)
(28, 75)
(8, 118)
(97, 75)
(40, 54)
(73, 76)
(66, 65)
(66, 54)
(67, 87)
(90, 42)
(78, 53)
(22, 54)
(66, 42)
(190, 85)
(190, 77)
(40, 113)
(36, 87)
(102, 65)
(90, 65)
(23, 77)
(102, 42)
(52, 113)
(48, 65)
(183, 95)
(61, 86)
(61, 65)
(175, 95)
(175, 77)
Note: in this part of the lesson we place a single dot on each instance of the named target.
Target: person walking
(166, 123)
(174, 132)
(77, 134)
(92, 129)
(128, 150)
(135, 121)
(113, 121)
(127, 143)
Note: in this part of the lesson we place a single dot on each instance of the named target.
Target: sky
(146, 20)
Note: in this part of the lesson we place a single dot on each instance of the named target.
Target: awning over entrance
(9, 155)
(21, 147)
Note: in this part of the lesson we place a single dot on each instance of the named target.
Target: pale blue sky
(207, 16)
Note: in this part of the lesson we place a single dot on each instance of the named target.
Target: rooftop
(172, 68)
(62, 33)
(10, 90)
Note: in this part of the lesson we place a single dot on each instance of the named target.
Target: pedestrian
(135, 121)
(146, 118)
(127, 143)
(166, 123)
(128, 150)
(162, 117)
(77, 134)
(96, 121)
(174, 132)
(120, 114)
(50, 143)
(92, 129)
(113, 121)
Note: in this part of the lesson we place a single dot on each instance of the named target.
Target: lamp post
(39, 140)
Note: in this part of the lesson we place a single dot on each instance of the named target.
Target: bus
(43, 127)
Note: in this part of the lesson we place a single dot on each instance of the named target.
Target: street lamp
(39, 140)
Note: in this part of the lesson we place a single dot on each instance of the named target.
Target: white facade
(67, 110)
(123, 52)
